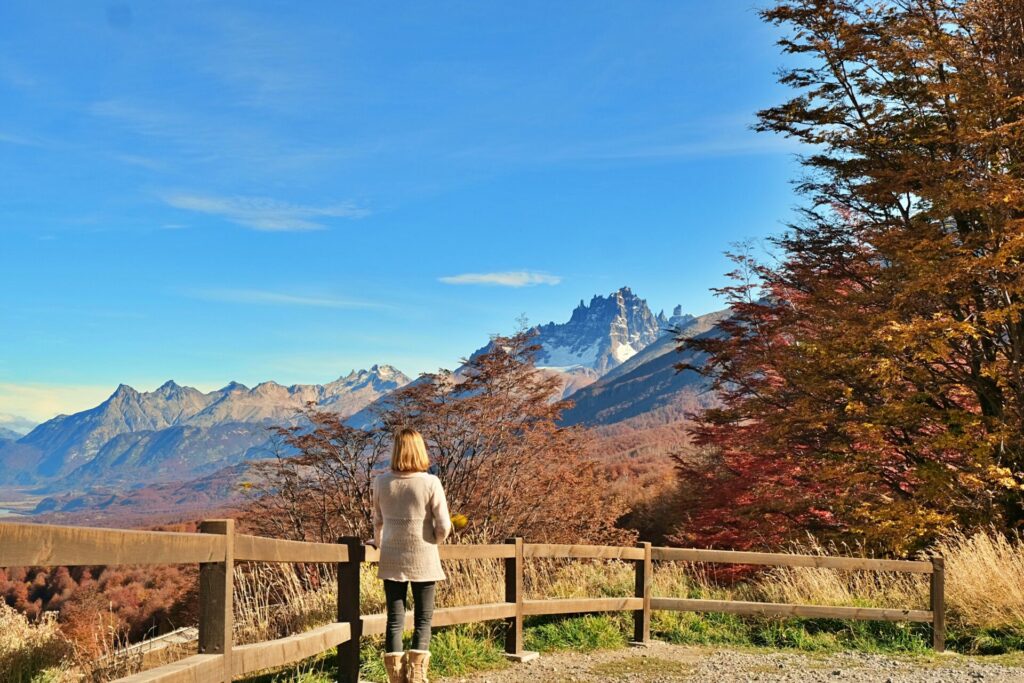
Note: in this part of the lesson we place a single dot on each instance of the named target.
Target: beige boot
(416, 664)
(394, 663)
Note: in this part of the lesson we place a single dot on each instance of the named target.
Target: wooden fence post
(216, 588)
(348, 609)
(514, 594)
(642, 617)
(938, 603)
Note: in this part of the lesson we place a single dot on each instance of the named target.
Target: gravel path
(672, 663)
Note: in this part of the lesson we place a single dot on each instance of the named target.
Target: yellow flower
(459, 522)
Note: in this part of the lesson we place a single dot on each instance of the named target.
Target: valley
(176, 452)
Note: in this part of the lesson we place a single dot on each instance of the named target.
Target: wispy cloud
(41, 402)
(15, 74)
(739, 145)
(512, 278)
(262, 213)
(16, 423)
(204, 137)
(719, 137)
(266, 297)
(138, 160)
(261, 65)
(21, 140)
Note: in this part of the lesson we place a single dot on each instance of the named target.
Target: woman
(410, 517)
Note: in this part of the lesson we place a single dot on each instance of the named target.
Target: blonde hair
(409, 453)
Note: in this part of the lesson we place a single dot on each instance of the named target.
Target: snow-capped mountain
(648, 383)
(613, 356)
(161, 428)
(598, 338)
(601, 335)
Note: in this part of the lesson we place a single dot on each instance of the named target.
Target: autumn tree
(871, 375)
(322, 492)
(494, 439)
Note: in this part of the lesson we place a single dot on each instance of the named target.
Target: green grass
(986, 641)
(806, 635)
(320, 669)
(455, 651)
(48, 676)
(586, 633)
(461, 650)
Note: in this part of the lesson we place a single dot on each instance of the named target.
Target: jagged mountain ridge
(615, 344)
(648, 382)
(135, 423)
(600, 335)
(598, 338)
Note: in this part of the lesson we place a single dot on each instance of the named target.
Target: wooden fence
(217, 547)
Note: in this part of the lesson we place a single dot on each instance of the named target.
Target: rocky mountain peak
(169, 389)
(123, 390)
(679, 319)
(599, 335)
(379, 378)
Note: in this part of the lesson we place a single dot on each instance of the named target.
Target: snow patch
(561, 356)
(623, 352)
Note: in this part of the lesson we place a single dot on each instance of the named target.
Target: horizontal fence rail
(582, 552)
(775, 609)
(217, 548)
(259, 549)
(787, 560)
(43, 545)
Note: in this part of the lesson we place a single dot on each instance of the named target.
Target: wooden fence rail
(217, 548)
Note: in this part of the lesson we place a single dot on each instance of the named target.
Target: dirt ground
(663, 662)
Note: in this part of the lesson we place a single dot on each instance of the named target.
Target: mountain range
(599, 337)
(174, 431)
(14, 426)
(614, 355)
(648, 382)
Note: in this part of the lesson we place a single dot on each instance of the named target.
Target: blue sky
(215, 191)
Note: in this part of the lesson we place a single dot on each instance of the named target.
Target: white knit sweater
(410, 517)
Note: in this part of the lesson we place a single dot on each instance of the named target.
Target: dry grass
(984, 583)
(27, 648)
(984, 586)
(275, 600)
(813, 586)
(984, 580)
(984, 590)
(470, 582)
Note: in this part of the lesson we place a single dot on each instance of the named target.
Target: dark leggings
(395, 593)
